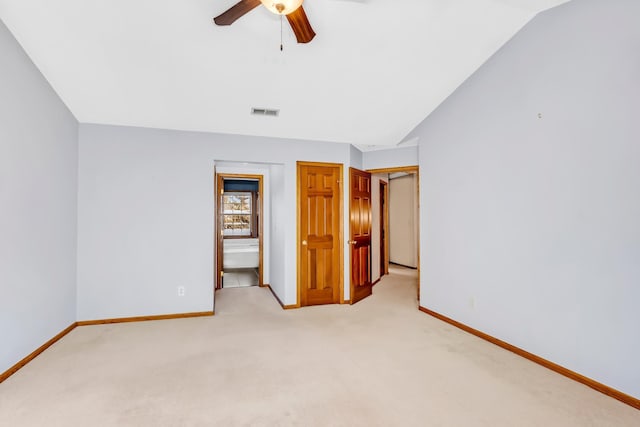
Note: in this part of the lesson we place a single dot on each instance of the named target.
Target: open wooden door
(360, 226)
(384, 221)
(319, 233)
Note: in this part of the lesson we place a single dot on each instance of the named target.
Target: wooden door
(360, 233)
(384, 266)
(319, 233)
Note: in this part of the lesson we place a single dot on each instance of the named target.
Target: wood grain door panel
(384, 265)
(360, 233)
(319, 277)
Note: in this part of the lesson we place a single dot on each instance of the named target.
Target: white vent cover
(265, 112)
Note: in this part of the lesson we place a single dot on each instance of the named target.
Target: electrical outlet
(180, 291)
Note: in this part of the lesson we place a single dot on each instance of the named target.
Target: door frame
(384, 229)
(220, 177)
(413, 170)
(340, 167)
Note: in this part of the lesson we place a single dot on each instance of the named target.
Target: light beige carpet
(378, 363)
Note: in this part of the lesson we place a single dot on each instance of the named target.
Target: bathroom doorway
(239, 230)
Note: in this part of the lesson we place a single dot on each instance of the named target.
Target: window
(238, 214)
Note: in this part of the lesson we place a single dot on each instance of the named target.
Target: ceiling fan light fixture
(282, 7)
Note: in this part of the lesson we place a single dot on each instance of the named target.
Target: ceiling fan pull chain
(280, 33)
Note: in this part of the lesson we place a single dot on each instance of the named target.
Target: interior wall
(38, 183)
(390, 158)
(530, 209)
(277, 229)
(403, 221)
(146, 209)
(356, 157)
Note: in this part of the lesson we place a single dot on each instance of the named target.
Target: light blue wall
(38, 185)
(278, 226)
(356, 157)
(146, 215)
(530, 182)
(390, 158)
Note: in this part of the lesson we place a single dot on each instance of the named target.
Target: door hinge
(221, 273)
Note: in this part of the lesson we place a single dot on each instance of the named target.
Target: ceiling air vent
(265, 112)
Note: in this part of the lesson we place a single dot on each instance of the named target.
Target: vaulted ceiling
(375, 69)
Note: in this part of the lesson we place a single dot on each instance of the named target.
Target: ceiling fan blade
(301, 26)
(236, 11)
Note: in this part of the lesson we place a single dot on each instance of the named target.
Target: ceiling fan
(292, 9)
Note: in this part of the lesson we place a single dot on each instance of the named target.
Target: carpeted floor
(380, 362)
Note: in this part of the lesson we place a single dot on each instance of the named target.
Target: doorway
(408, 210)
(239, 231)
(404, 219)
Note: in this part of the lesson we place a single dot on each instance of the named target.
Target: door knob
(304, 243)
(352, 242)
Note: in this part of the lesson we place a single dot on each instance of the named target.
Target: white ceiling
(374, 71)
